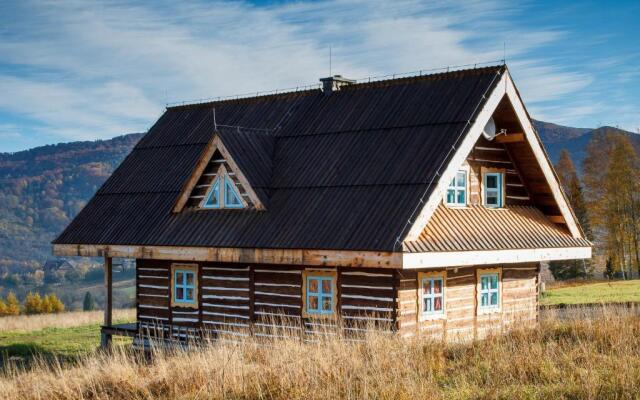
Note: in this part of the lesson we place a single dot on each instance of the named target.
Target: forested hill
(575, 140)
(43, 188)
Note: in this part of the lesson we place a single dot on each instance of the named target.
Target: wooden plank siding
(492, 155)
(266, 301)
(519, 295)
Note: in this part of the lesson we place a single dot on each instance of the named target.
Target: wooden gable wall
(492, 155)
(207, 178)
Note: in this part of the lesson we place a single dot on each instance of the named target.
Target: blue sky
(77, 71)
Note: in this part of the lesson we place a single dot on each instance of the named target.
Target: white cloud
(95, 70)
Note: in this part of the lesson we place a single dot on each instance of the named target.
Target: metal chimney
(334, 83)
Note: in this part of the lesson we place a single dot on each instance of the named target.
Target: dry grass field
(26, 323)
(597, 358)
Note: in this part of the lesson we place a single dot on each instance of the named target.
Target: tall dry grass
(597, 358)
(70, 319)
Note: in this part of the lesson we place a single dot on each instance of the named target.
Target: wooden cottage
(423, 205)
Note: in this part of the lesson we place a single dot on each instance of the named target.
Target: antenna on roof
(504, 53)
(329, 60)
(215, 125)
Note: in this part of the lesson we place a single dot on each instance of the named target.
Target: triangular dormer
(217, 183)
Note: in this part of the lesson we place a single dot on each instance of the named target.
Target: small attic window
(223, 193)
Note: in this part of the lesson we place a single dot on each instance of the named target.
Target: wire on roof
(409, 222)
(313, 86)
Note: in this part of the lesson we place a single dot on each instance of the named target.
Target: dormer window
(457, 190)
(223, 193)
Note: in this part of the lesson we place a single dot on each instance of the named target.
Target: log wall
(240, 299)
(461, 320)
(264, 300)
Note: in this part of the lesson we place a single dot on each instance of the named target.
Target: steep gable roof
(346, 172)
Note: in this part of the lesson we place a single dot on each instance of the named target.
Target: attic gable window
(223, 193)
(493, 192)
(457, 190)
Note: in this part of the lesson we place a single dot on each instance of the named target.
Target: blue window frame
(213, 197)
(184, 286)
(223, 194)
(489, 291)
(457, 190)
(320, 295)
(493, 189)
(432, 295)
(231, 196)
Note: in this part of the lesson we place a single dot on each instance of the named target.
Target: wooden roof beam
(333, 258)
(510, 138)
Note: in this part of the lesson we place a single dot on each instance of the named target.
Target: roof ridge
(360, 83)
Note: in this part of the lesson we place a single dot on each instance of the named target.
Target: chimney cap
(333, 83)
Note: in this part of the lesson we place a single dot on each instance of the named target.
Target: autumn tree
(55, 305)
(573, 190)
(612, 182)
(3, 308)
(13, 306)
(33, 304)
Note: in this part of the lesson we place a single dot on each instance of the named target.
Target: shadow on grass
(23, 355)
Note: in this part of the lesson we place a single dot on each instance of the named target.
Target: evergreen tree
(88, 304)
(572, 187)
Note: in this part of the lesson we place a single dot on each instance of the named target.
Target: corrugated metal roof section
(343, 171)
(252, 150)
(481, 228)
(414, 103)
(153, 170)
(297, 218)
(379, 157)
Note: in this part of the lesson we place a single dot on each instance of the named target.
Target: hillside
(558, 137)
(43, 188)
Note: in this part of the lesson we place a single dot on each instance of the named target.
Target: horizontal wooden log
(278, 300)
(385, 281)
(366, 291)
(154, 301)
(269, 309)
(510, 138)
(366, 259)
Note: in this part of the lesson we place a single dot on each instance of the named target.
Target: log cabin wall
(492, 155)
(461, 321)
(238, 299)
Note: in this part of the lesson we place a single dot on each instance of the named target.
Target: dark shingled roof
(338, 171)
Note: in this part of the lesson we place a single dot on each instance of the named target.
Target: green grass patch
(603, 292)
(65, 344)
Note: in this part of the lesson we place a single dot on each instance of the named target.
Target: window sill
(309, 315)
(456, 205)
(487, 311)
(432, 317)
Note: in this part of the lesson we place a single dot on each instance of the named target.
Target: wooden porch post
(108, 300)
